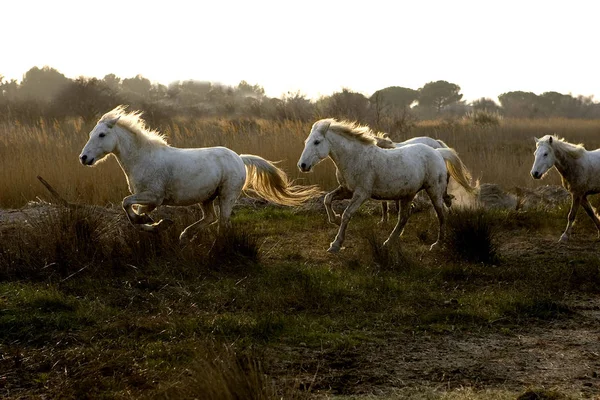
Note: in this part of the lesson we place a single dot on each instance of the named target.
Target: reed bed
(499, 154)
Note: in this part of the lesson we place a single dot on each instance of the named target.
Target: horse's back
(426, 140)
(197, 174)
(407, 169)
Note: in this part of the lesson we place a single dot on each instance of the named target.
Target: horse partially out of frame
(579, 170)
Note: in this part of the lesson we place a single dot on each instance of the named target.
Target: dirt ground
(561, 355)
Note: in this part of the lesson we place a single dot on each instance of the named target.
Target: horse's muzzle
(85, 160)
(536, 175)
(304, 167)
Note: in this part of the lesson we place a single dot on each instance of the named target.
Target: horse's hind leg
(437, 199)
(403, 215)
(209, 217)
(591, 212)
(384, 211)
(226, 204)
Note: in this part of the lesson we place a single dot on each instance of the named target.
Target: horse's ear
(325, 127)
(112, 122)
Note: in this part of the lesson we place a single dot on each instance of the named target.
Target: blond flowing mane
(573, 150)
(134, 123)
(364, 134)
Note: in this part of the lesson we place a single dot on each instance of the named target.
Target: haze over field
(316, 47)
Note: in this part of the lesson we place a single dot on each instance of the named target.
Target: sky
(313, 47)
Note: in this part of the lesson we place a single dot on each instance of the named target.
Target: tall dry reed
(497, 154)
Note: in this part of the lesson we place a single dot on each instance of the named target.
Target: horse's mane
(362, 133)
(134, 123)
(573, 150)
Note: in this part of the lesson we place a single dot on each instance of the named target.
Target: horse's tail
(272, 184)
(457, 169)
(442, 144)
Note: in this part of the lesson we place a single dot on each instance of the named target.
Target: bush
(483, 118)
(470, 235)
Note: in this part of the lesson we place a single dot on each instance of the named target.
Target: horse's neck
(345, 152)
(565, 164)
(131, 151)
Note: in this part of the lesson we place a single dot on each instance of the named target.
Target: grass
(51, 149)
(132, 314)
(90, 307)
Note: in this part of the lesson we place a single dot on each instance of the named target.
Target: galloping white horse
(369, 171)
(343, 193)
(158, 174)
(579, 170)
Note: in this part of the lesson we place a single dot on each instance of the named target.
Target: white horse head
(544, 157)
(103, 141)
(316, 146)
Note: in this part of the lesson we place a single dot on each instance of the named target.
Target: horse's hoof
(164, 224)
(144, 219)
(336, 221)
(563, 238)
(333, 249)
(156, 227)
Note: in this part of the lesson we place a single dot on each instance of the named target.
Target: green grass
(135, 315)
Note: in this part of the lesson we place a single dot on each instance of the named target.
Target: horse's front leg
(339, 193)
(358, 198)
(576, 201)
(147, 201)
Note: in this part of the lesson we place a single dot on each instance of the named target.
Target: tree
(395, 97)
(42, 84)
(113, 82)
(346, 105)
(485, 104)
(519, 104)
(138, 85)
(86, 98)
(438, 95)
(244, 89)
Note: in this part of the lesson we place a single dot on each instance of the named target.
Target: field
(93, 308)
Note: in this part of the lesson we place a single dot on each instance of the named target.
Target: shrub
(470, 235)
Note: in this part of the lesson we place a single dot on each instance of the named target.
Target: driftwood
(59, 199)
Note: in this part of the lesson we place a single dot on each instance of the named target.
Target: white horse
(158, 174)
(579, 170)
(343, 193)
(370, 171)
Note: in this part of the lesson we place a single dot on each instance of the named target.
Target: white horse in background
(383, 141)
(579, 170)
(369, 171)
(158, 174)
(426, 140)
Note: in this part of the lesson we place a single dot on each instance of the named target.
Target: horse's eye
(316, 142)
(545, 154)
(102, 134)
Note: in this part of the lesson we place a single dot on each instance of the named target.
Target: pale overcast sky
(315, 47)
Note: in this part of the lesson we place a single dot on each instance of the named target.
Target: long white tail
(273, 184)
(457, 169)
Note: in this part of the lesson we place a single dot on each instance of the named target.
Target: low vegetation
(91, 307)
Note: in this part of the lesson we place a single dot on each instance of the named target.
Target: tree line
(47, 93)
